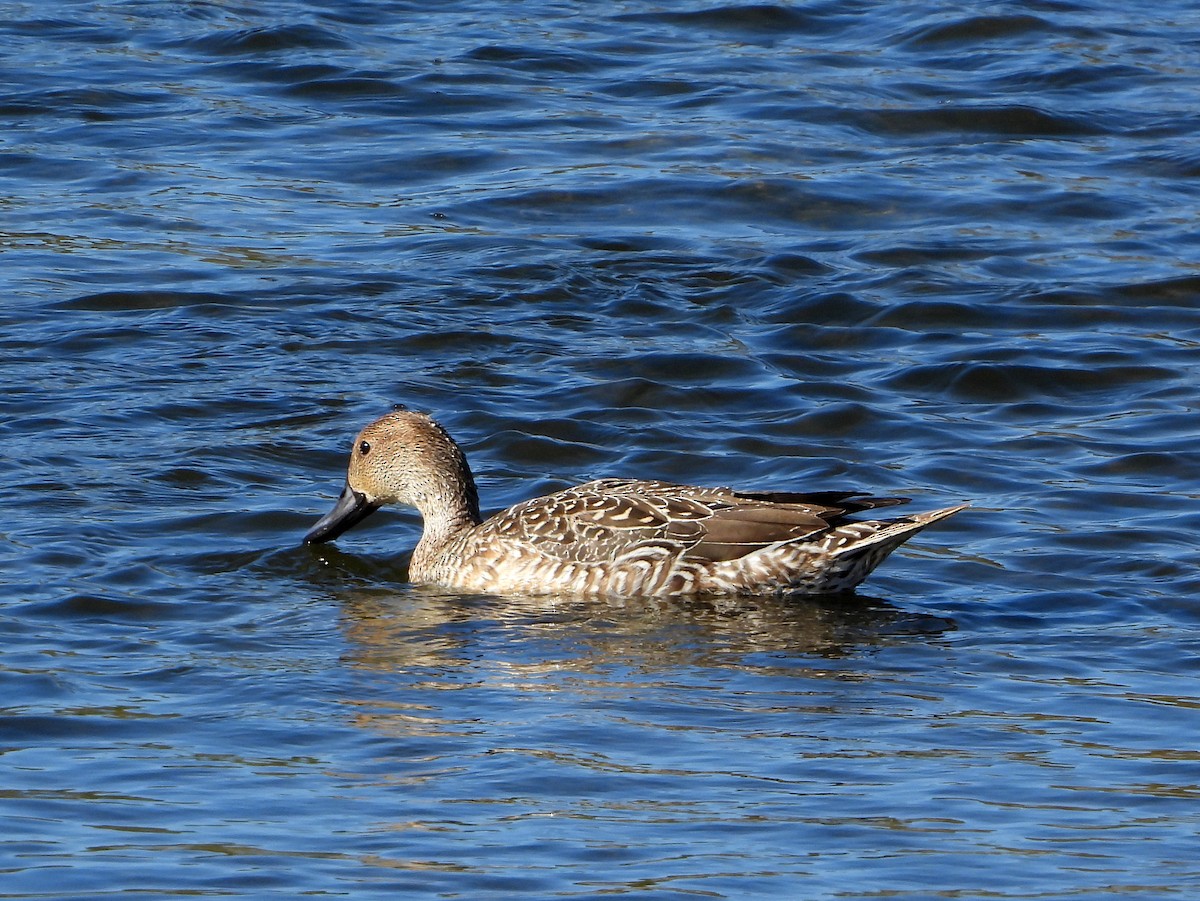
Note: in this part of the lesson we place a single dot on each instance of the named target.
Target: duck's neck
(449, 507)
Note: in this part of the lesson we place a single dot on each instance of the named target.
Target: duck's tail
(853, 561)
(835, 562)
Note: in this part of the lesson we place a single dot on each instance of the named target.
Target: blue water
(905, 247)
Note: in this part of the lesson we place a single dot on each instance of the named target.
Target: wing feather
(603, 519)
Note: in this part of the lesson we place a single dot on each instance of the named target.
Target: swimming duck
(611, 537)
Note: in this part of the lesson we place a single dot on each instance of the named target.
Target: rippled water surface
(920, 248)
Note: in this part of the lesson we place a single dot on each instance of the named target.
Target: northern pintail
(611, 537)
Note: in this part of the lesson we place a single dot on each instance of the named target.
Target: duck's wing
(607, 518)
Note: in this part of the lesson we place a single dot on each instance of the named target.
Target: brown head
(403, 458)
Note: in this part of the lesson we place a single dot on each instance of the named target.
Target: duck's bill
(351, 508)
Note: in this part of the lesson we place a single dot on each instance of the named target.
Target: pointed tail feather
(894, 532)
(856, 560)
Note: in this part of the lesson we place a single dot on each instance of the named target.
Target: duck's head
(402, 458)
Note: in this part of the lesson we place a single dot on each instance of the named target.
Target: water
(906, 247)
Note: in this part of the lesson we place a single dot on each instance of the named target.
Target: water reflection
(415, 627)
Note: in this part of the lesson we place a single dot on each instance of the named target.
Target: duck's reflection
(441, 666)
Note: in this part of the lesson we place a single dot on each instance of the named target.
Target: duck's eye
(364, 448)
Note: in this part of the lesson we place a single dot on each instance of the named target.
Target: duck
(612, 537)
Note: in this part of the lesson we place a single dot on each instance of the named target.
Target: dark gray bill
(351, 508)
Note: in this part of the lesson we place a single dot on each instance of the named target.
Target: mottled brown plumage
(620, 537)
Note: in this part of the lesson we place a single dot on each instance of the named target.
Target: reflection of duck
(437, 631)
(616, 537)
